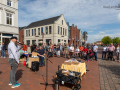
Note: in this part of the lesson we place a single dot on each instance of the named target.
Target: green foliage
(107, 40)
(116, 40)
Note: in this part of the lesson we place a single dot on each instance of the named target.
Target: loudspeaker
(35, 66)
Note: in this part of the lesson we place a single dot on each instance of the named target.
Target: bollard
(56, 85)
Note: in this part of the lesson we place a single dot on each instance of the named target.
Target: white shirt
(71, 49)
(13, 51)
(104, 49)
(95, 47)
(0, 47)
(77, 50)
(117, 49)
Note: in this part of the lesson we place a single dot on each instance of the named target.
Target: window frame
(35, 31)
(58, 29)
(9, 3)
(61, 31)
(10, 18)
(38, 31)
(32, 32)
(50, 30)
(41, 30)
(46, 30)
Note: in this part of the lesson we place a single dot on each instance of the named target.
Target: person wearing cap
(13, 61)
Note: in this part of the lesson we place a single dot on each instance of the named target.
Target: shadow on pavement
(19, 74)
(0, 72)
(115, 69)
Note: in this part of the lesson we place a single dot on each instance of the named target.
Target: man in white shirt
(13, 61)
(95, 48)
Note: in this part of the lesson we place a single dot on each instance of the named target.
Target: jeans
(41, 59)
(3, 53)
(95, 54)
(14, 65)
(117, 55)
(103, 54)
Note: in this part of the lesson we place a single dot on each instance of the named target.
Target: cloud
(101, 32)
(119, 16)
(99, 36)
(83, 13)
(90, 31)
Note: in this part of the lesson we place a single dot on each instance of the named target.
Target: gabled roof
(21, 28)
(43, 22)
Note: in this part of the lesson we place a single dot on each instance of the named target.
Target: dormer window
(9, 2)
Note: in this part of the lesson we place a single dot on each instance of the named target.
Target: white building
(53, 30)
(8, 20)
(81, 37)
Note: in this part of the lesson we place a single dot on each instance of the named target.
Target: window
(27, 42)
(32, 32)
(38, 31)
(58, 40)
(9, 18)
(35, 31)
(26, 32)
(9, 2)
(46, 30)
(64, 40)
(62, 22)
(65, 31)
(33, 42)
(58, 30)
(29, 32)
(50, 31)
(61, 30)
(41, 30)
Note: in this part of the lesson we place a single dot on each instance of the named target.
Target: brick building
(74, 35)
(21, 34)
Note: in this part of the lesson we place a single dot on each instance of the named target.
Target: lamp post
(42, 37)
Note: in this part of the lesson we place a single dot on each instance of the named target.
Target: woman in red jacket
(85, 50)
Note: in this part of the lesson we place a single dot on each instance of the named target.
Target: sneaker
(11, 83)
(16, 85)
(4, 57)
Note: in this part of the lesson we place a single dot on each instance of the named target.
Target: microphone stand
(46, 83)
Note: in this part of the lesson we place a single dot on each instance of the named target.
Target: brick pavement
(109, 74)
(31, 80)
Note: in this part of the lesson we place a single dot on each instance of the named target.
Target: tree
(106, 40)
(116, 40)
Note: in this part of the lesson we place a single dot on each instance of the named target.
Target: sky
(98, 17)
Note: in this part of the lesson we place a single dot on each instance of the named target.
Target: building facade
(8, 20)
(74, 36)
(81, 37)
(21, 34)
(53, 30)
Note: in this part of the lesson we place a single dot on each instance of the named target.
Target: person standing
(117, 51)
(41, 54)
(104, 52)
(65, 50)
(54, 47)
(25, 48)
(13, 61)
(111, 49)
(1, 50)
(95, 48)
(58, 50)
(81, 51)
(4, 50)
